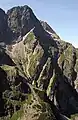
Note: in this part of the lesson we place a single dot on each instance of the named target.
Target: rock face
(16, 23)
(38, 71)
(3, 25)
(20, 20)
(50, 30)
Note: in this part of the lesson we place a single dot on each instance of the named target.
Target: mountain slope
(42, 70)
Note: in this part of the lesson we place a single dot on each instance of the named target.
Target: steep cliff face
(21, 20)
(3, 25)
(37, 69)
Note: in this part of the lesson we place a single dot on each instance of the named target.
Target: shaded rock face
(37, 69)
(3, 86)
(16, 23)
(21, 20)
(47, 27)
(49, 30)
(3, 25)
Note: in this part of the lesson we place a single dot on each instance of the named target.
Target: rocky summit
(38, 70)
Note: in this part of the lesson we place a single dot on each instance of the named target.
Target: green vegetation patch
(17, 115)
(34, 59)
(51, 84)
(61, 58)
(69, 52)
(29, 37)
(76, 65)
(74, 117)
(10, 70)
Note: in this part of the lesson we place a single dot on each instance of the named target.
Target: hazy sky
(62, 15)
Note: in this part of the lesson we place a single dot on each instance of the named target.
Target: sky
(61, 15)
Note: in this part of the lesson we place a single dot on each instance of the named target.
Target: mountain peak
(21, 8)
(19, 21)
